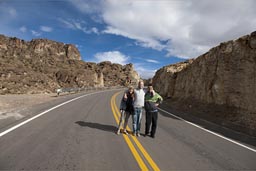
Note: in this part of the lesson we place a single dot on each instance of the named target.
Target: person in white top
(138, 105)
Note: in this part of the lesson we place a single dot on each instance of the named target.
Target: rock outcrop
(165, 78)
(224, 76)
(43, 65)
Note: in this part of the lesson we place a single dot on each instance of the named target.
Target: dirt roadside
(234, 119)
(11, 106)
(15, 107)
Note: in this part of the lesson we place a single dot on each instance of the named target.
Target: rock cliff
(225, 76)
(42, 65)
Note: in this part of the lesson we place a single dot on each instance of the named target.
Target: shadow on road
(102, 127)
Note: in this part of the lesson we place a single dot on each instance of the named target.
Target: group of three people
(133, 102)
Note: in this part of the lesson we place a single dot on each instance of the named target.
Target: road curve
(80, 135)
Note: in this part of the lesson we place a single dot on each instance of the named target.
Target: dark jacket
(123, 104)
(151, 100)
(130, 103)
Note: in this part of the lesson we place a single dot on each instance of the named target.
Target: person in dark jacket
(126, 108)
(152, 100)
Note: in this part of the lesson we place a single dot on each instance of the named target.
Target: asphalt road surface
(80, 135)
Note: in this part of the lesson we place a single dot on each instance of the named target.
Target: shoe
(138, 134)
(146, 134)
(118, 132)
(125, 132)
(152, 136)
(133, 133)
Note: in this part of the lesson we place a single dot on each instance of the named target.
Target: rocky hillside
(43, 65)
(224, 77)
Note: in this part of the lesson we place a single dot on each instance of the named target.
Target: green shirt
(155, 99)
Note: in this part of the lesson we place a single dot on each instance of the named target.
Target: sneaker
(133, 133)
(138, 134)
(118, 132)
(125, 132)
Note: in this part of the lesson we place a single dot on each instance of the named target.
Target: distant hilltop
(12, 46)
(43, 65)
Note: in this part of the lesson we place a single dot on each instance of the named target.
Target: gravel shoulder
(17, 107)
(224, 121)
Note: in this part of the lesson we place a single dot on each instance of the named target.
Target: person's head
(150, 87)
(151, 90)
(141, 84)
(131, 90)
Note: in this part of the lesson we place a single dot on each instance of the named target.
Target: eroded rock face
(43, 65)
(37, 47)
(226, 75)
(165, 78)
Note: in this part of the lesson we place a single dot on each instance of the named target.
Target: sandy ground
(12, 105)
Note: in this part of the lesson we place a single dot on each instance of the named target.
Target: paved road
(80, 135)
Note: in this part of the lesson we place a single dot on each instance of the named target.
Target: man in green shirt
(152, 100)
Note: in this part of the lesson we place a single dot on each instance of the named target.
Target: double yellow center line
(127, 139)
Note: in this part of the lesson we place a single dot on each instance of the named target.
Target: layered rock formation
(43, 65)
(224, 76)
(165, 78)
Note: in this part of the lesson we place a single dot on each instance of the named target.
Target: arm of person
(125, 96)
(123, 102)
(159, 100)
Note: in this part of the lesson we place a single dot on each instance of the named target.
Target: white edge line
(214, 133)
(46, 111)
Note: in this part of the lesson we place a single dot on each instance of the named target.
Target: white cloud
(66, 23)
(112, 56)
(88, 7)
(78, 25)
(92, 7)
(46, 29)
(12, 12)
(35, 33)
(23, 29)
(95, 30)
(118, 57)
(152, 61)
(183, 28)
(8, 15)
(143, 71)
(78, 46)
(141, 40)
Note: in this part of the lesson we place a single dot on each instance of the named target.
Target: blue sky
(150, 34)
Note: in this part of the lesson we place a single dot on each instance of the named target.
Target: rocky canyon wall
(42, 65)
(224, 76)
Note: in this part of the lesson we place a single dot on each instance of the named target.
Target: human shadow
(108, 128)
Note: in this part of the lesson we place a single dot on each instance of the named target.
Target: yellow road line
(142, 149)
(128, 141)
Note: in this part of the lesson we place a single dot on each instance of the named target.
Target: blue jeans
(136, 119)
